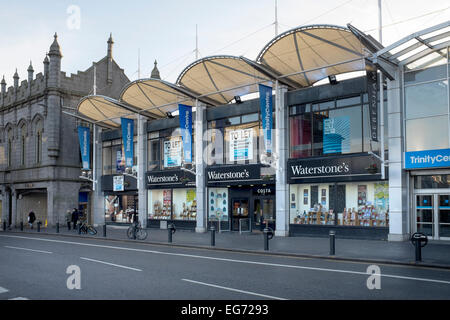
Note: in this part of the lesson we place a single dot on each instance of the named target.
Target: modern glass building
(340, 159)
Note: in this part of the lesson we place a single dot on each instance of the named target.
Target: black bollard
(57, 227)
(21, 225)
(68, 226)
(332, 243)
(104, 230)
(169, 233)
(213, 235)
(266, 239)
(38, 226)
(4, 225)
(418, 251)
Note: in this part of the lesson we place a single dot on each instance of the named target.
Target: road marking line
(230, 260)
(19, 298)
(111, 264)
(3, 290)
(25, 249)
(235, 290)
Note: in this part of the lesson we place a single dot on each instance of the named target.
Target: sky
(166, 30)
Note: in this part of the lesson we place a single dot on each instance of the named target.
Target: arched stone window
(23, 143)
(9, 147)
(39, 130)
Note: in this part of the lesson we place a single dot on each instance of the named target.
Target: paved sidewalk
(434, 254)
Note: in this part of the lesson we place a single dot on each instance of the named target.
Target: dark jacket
(75, 215)
(31, 217)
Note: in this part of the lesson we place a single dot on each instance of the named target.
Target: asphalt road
(35, 267)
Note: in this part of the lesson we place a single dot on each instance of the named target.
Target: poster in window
(362, 195)
(118, 184)
(172, 153)
(305, 196)
(241, 145)
(323, 199)
(336, 135)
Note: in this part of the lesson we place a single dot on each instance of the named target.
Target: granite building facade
(39, 154)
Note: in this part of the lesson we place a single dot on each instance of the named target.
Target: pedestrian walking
(68, 219)
(31, 219)
(75, 218)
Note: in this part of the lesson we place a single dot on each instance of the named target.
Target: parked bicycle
(86, 228)
(135, 231)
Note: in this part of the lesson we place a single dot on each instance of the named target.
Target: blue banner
(127, 137)
(427, 159)
(84, 135)
(265, 100)
(186, 131)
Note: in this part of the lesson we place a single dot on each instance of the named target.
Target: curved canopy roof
(319, 50)
(211, 76)
(155, 96)
(418, 50)
(297, 58)
(103, 109)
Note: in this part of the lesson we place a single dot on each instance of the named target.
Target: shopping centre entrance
(431, 213)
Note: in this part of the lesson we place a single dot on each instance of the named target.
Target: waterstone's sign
(427, 159)
(234, 174)
(331, 169)
(168, 177)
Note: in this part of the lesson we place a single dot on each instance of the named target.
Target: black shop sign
(169, 178)
(333, 169)
(233, 174)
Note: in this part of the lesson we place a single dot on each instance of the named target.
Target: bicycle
(86, 228)
(135, 231)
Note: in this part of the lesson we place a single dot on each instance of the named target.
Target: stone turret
(155, 72)
(110, 59)
(30, 77)
(46, 66)
(16, 80)
(3, 92)
(54, 78)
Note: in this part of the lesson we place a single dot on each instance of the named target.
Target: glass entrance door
(425, 214)
(264, 210)
(433, 215)
(444, 215)
(240, 211)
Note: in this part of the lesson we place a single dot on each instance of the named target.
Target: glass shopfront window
(218, 201)
(121, 208)
(165, 149)
(114, 157)
(427, 134)
(160, 204)
(352, 204)
(330, 127)
(237, 140)
(426, 96)
(172, 204)
(184, 204)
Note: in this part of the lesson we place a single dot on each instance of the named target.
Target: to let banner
(265, 100)
(84, 135)
(127, 137)
(186, 130)
(373, 103)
